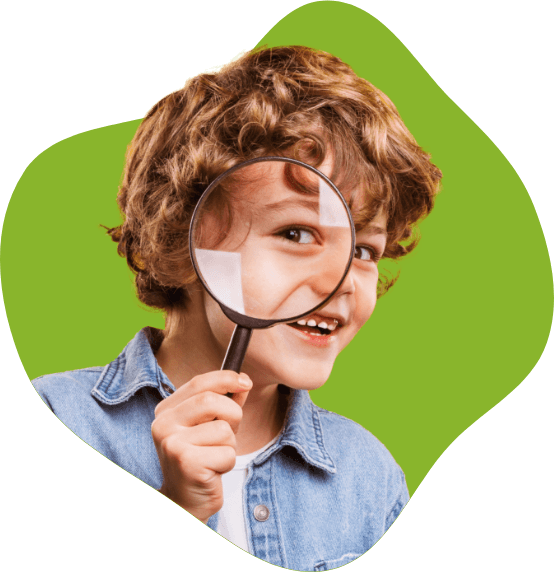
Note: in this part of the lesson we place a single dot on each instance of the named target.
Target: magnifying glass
(271, 240)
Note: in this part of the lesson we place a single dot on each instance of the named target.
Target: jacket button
(261, 513)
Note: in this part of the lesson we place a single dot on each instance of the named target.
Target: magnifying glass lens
(272, 239)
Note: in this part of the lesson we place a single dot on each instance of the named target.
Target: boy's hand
(194, 434)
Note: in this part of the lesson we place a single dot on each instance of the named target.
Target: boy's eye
(298, 236)
(364, 253)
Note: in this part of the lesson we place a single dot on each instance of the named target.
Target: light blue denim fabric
(331, 488)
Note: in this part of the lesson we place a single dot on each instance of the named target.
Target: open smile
(317, 334)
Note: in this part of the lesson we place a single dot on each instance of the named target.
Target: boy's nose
(347, 286)
(325, 282)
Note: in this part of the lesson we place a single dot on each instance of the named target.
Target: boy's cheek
(365, 310)
(222, 328)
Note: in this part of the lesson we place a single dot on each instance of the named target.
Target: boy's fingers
(203, 408)
(220, 459)
(220, 382)
(215, 433)
(240, 398)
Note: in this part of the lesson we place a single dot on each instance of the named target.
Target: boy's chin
(303, 376)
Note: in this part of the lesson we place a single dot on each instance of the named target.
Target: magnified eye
(364, 253)
(298, 236)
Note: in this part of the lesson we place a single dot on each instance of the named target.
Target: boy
(293, 484)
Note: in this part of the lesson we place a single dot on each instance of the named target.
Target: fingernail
(244, 381)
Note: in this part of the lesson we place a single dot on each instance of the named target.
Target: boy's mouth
(315, 328)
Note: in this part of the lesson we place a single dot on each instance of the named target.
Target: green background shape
(464, 325)
(480, 488)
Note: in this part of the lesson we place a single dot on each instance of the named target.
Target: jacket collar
(136, 367)
(303, 431)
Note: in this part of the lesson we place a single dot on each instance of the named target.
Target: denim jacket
(318, 498)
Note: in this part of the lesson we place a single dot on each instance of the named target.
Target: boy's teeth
(312, 323)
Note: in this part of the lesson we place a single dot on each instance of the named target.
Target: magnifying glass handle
(237, 349)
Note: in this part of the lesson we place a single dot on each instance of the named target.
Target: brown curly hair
(292, 101)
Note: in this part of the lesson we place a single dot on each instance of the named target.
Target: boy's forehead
(368, 214)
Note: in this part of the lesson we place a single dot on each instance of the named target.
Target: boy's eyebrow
(373, 229)
(293, 202)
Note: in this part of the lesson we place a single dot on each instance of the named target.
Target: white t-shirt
(231, 516)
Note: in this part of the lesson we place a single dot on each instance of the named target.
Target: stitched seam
(334, 414)
(163, 389)
(307, 457)
(108, 378)
(322, 565)
(397, 507)
(124, 397)
(101, 392)
(276, 511)
(319, 437)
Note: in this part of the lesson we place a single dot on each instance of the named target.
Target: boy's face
(298, 355)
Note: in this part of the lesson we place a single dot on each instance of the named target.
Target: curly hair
(292, 101)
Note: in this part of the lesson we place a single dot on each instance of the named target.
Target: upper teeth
(313, 323)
